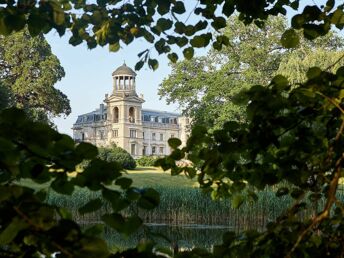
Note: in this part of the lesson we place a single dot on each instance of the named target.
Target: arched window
(115, 114)
(132, 115)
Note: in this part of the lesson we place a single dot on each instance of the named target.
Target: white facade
(122, 121)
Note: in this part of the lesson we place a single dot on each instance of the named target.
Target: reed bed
(189, 206)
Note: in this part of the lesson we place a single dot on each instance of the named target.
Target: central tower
(124, 109)
(124, 81)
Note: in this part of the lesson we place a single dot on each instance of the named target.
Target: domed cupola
(124, 80)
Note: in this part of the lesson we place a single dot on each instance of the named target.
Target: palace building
(123, 121)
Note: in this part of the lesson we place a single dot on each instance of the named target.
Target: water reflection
(185, 237)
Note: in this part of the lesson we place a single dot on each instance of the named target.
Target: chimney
(101, 108)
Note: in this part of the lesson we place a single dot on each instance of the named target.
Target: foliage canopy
(29, 71)
(294, 133)
(162, 23)
(204, 87)
(31, 227)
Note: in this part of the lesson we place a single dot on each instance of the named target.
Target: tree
(160, 22)
(31, 227)
(204, 87)
(29, 71)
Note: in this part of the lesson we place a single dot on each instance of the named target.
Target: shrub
(119, 155)
(147, 161)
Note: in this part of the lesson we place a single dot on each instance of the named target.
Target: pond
(183, 237)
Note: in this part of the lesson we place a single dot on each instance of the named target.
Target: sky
(88, 75)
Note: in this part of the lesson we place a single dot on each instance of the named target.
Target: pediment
(115, 98)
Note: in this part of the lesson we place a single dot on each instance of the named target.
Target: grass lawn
(153, 176)
(142, 177)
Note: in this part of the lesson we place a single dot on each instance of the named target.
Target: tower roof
(124, 70)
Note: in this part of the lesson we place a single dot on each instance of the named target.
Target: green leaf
(139, 65)
(228, 8)
(64, 213)
(92, 247)
(237, 200)
(124, 182)
(290, 39)
(219, 23)
(62, 186)
(280, 82)
(173, 57)
(199, 41)
(132, 224)
(86, 150)
(153, 64)
(313, 72)
(91, 206)
(114, 220)
(114, 47)
(188, 53)
(4, 28)
(58, 13)
(338, 18)
(297, 193)
(179, 7)
(164, 24)
(95, 230)
(11, 231)
(282, 191)
(150, 199)
(181, 41)
(174, 142)
(15, 22)
(35, 24)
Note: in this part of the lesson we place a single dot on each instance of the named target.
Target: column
(123, 112)
(137, 114)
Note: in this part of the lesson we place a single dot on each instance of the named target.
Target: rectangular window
(143, 135)
(101, 135)
(115, 133)
(132, 133)
(161, 137)
(133, 149)
(153, 136)
(172, 135)
(153, 150)
(144, 150)
(161, 150)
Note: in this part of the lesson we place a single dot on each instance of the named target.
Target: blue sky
(88, 75)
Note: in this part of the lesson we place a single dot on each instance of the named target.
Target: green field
(142, 177)
(156, 177)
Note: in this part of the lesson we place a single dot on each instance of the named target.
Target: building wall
(103, 127)
(153, 137)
